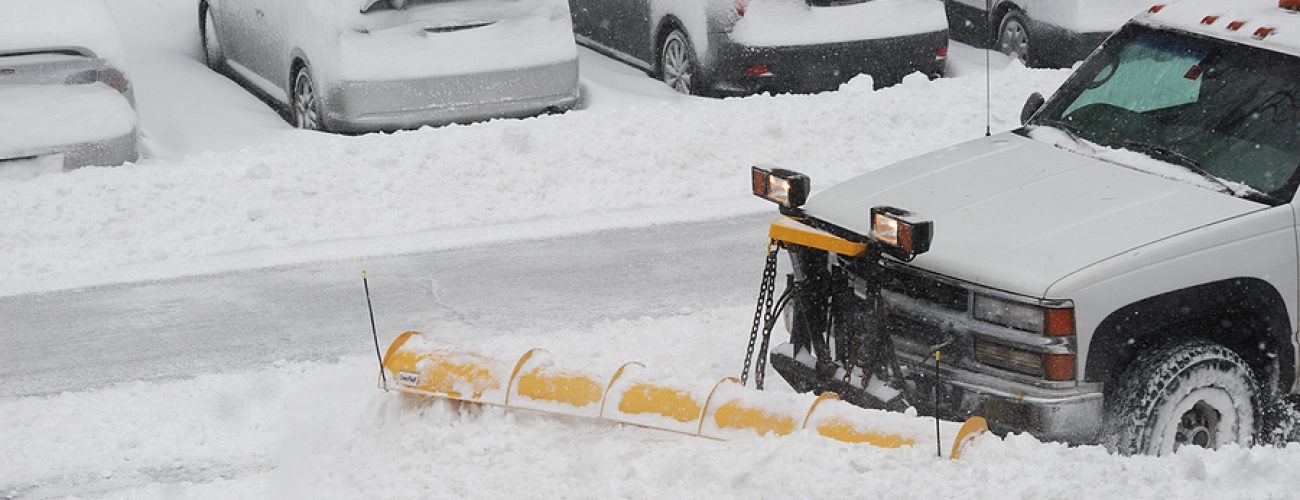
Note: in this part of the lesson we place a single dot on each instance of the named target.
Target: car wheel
(1194, 393)
(213, 56)
(306, 102)
(1013, 36)
(677, 65)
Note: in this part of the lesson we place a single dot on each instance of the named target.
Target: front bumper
(1066, 415)
(889, 318)
(824, 67)
(359, 107)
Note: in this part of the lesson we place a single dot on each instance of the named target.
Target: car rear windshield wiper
(1181, 160)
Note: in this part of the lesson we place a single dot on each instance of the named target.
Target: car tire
(1013, 37)
(304, 101)
(678, 66)
(213, 55)
(1190, 393)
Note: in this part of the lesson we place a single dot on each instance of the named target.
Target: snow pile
(775, 23)
(688, 156)
(324, 431)
(36, 118)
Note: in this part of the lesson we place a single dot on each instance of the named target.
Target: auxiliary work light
(783, 187)
(901, 236)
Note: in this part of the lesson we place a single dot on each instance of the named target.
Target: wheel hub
(677, 66)
(1014, 39)
(1198, 427)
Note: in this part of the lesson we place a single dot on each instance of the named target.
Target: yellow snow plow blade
(633, 395)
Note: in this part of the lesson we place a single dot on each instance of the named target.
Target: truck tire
(1188, 393)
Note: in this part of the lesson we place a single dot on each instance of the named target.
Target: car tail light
(741, 6)
(942, 53)
(759, 70)
(115, 79)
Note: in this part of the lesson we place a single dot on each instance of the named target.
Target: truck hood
(1018, 215)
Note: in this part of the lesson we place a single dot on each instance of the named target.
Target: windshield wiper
(1181, 160)
(1069, 129)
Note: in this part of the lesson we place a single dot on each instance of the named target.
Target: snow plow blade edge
(719, 409)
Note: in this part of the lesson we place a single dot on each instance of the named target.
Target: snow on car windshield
(1225, 111)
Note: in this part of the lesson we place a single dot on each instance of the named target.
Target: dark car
(731, 47)
(1042, 33)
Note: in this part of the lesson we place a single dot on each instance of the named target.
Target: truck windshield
(1226, 111)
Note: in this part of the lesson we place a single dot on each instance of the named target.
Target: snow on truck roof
(1268, 24)
(81, 24)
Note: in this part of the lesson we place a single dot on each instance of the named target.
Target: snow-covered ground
(323, 430)
(231, 187)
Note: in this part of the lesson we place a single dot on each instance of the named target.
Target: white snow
(37, 118)
(1080, 16)
(255, 195)
(314, 189)
(1189, 15)
(774, 23)
(522, 34)
(85, 24)
(1134, 160)
(323, 430)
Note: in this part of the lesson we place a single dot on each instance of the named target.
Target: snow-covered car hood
(1018, 215)
(84, 24)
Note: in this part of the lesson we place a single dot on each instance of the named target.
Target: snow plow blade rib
(720, 409)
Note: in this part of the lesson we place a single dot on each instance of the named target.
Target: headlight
(1053, 321)
(902, 237)
(783, 187)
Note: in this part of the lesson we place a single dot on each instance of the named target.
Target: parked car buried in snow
(1122, 269)
(65, 101)
(374, 65)
(736, 47)
(1052, 33)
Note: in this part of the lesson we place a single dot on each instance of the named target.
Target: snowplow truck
(1121, 270)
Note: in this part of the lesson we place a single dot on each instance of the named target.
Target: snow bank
(775, 23)
(35, 118)
(324, 431)
(74, 228)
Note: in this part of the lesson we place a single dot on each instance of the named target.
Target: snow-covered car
(65, 99)
(377, 65)
(737, 47)
(1054, 33)
(1122, 269)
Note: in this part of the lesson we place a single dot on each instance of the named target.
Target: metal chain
(760, 368)
(763, 310)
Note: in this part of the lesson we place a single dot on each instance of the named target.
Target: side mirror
(1032, 105)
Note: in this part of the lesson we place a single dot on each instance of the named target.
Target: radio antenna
(988, 71)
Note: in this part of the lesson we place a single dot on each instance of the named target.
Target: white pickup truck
(1121, 270)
